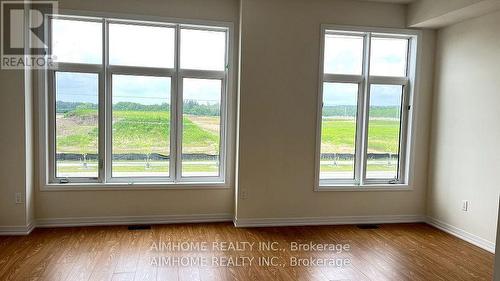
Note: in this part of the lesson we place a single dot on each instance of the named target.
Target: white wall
(78, 204)
(465, 151)
(441, 13)
(278, 99)
(279, 79)
(12, 149)
(424, 10)
(16, 148)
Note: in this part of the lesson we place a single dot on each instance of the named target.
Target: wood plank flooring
(391, 252)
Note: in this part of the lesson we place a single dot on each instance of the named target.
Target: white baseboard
(269, 222)
(114, 220)
(126, 220)
(462, 234)
(247, 222)
(17, 230)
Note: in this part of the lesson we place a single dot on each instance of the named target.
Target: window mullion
(403, 138)
(387, 80)
(102, 127)
(340, 78)
(107, 105)
(173, 127)
(202, 74)
(141, 71)
(365, 105)
(179, 128)
(51, 124)
(359, 133)
(176, 154)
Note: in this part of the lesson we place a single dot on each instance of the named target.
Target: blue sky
(344, 55)
(134, 45)
(77, 41)
(346, 94)
(83, 87)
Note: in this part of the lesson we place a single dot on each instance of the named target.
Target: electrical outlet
(465, 205)
(243, 193)
(19, 198)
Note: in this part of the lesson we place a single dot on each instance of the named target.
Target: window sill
(134, 186)
(364, 188)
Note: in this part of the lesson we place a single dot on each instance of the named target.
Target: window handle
(394, 181)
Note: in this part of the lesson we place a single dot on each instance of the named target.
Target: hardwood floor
(391, 252)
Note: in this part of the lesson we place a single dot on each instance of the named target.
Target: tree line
(189, 107)
(351, 110)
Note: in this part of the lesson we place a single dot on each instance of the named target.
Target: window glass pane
(338, 130)
(388, 57)
(202, 49)
(201, 127)
(384, 131)
(76, 124)
(343, 54)
(136, 45)
(76, 41)
(141, 126)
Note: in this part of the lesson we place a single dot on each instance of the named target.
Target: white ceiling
(393, 1)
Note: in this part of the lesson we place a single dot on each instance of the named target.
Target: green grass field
(134, 132)
(338, 135)
(155, 167)
(145, 132)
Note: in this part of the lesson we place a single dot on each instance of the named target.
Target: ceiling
(393, 1)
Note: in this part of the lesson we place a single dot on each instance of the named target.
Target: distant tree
(132, 106)
(64, 107)
(189, 107)
(194, 108)
(351, 110)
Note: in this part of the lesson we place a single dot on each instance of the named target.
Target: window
(141, 126)
(366, 86)
(77, 96)
(132, 101)
(200, 131)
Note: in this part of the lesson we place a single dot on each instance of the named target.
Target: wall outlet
(243, 193)
(19, 198)
(465, 205)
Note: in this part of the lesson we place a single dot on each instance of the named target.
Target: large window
(133, 101)
(365, 95)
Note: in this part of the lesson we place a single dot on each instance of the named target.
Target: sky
(148, 90)
(346, 94)
(132, 45)
(344, 55)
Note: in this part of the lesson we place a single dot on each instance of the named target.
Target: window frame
(365, 81)
(104, 180)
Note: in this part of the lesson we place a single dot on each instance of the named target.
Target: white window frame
(105, 181)
(405, 169)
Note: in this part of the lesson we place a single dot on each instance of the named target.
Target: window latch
(394, 181)
(64, 181)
